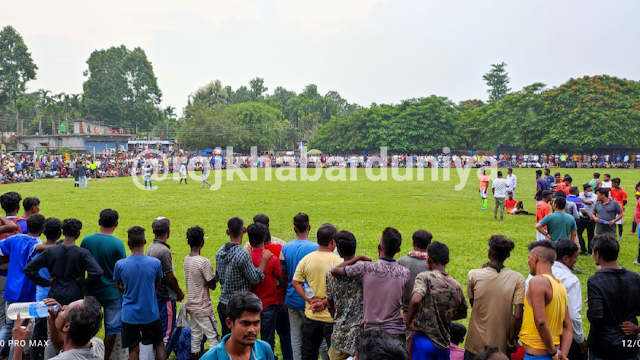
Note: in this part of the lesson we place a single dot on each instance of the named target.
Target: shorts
(539, 236)
(483, 193)
(148, 334)
(203, 325)
(513, 211)
(112, 312)
(620, 222)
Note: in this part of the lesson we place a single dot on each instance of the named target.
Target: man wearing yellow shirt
(312, 269)
(546, 327)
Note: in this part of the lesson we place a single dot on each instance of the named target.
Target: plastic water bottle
(30, 310)
(308, 291)
(604, 222)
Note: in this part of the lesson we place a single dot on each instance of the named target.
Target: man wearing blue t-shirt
(243, 319)
(138, 276)
(291, 254)
(21, 249)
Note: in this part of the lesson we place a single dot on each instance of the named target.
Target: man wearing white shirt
(499, 190)
(512, 181)
(566, 257)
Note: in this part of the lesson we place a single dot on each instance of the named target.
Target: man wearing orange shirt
(542, 210)
(565, 185)
(620, 196)
(513, 206)
(484, 188)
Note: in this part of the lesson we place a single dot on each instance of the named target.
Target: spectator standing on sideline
(292, 253)
(382, 285)
(266, 290)
(169, 291)
(21, 249)
(541, 186)
(542, 210)
(312, 270)
(496, 295)
(344, 302)
(274, 245)
(566, 257)
(586, 222)
(606, 213)
(550, 179)
(31, 206)
(264, 219)
(138, 276)
(67, 265)
(437, 300)
(499, 189)
(416, 262)
(620, 196)
(613, 294)
(244, 321)
(606, 182)
(234, 268)
(107, 250)
(198, 273)
(546, 326)
(52, 231)
(595, 183)
(559, 224)
(512, 181)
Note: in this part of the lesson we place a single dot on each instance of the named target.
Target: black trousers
(222, 313)
(576, 354)
(313, 333)
(590, 226)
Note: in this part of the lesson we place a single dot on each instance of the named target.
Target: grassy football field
(363, 207)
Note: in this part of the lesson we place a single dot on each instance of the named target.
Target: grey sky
(379, 51)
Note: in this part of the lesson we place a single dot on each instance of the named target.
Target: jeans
(500, 204)
(296, 320)
(284, 331)
(590, 226)
(268, 325)
(537, 357)
(222, 313)
(313, 333)
(112, 312)
(5, 331)
(83, 178)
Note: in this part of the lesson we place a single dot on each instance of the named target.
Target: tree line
(121, 90)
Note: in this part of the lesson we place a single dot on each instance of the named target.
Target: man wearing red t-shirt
(266, 290)
(620, 196)
(542, 210)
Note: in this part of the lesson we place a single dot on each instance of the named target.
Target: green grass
(362, 207)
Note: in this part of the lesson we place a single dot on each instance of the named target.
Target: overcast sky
(379, 51)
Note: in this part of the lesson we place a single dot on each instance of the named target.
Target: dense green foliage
(16, 69)
(121, 88)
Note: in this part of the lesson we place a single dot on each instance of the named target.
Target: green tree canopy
(498, 81)
(16, 68)
(121, 88)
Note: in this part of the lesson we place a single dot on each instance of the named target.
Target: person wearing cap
(169, 291)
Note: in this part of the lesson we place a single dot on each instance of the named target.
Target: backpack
(4, 260)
